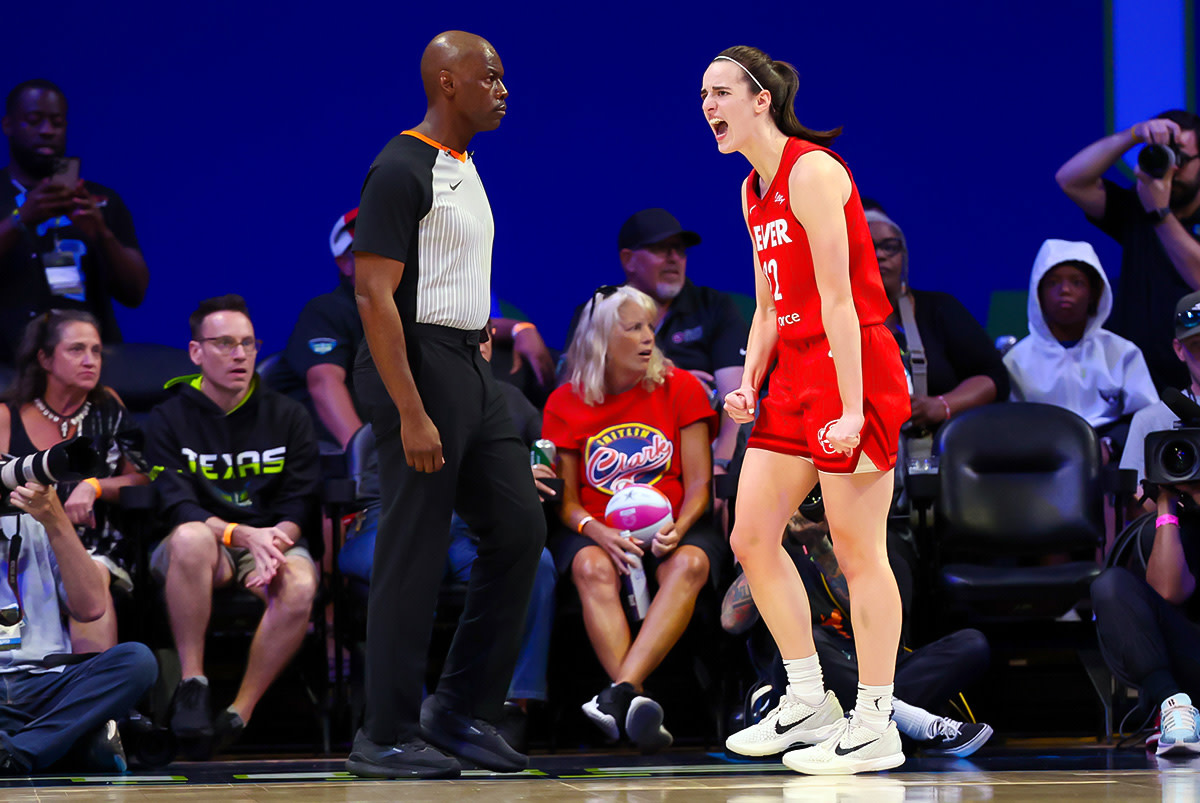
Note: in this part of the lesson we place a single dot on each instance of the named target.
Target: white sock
(915, 723)
(874, 706)
(202, 678)
(805, 681)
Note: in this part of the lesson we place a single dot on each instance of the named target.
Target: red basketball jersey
(786, 258)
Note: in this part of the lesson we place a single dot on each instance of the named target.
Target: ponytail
(781, 80)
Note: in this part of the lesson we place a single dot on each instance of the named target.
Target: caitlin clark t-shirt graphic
(629, 437)
(626, 453)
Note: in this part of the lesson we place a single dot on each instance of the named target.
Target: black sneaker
(11, 766)
(476, 740)
(227, 729)
(102, 751)
(609, 708)
(190, 710)
(513, 726)
(644, 725)
(411, 759)
(956, 738)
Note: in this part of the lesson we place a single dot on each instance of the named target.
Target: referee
(445, 441)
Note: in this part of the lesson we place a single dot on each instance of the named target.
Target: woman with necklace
(57, 396)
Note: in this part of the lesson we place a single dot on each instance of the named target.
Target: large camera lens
(1179, 458)
(1156, 160)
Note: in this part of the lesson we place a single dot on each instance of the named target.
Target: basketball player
(838, 398)
(445, 441)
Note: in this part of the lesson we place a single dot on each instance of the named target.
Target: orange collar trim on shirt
(462, 157)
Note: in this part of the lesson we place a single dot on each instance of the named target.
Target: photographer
(50, 703)
(1154, 222)
(1149, 628)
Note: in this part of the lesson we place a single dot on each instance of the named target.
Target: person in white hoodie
(1067, 359)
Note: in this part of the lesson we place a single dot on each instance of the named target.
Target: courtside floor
(1042, 773)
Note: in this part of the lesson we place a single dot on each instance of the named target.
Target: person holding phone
(64, 242)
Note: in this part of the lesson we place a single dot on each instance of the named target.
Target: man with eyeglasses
(1157, 223)
(699, 329)
(235, 466)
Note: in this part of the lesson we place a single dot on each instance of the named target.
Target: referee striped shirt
(423, 204)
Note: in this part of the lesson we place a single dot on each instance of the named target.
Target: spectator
(1158, 416)
(962, 368)
(925, 677)
(60, 246)
(236, 469)
(317, 366)
(1068, 359)
(57, 396)
(1149, 629)
(621, 404)
(52, 703)
(699, 329)
(1156, 222)
(529, 678)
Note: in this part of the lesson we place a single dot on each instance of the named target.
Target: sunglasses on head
(603, 291)
(1188, 319)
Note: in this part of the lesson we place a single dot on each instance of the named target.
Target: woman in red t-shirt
(626, 415)
(838, 398)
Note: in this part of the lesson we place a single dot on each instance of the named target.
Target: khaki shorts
(240, 559)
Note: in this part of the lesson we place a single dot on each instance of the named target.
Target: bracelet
(227, 536)
(945, 404)
(518, 328)
(95, 483)
(583, 523)
(1165, 519)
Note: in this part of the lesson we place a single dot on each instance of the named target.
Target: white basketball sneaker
(854, 748)
(791, 723)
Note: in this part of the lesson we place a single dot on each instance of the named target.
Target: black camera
(1173, 455)
(63, 462)
(1155, 160)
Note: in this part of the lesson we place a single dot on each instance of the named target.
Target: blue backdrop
(238, 132)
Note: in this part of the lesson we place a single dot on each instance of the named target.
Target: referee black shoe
(411, 759)
(475, 740)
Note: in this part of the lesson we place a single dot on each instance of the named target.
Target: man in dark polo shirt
(317, 367)
(699, 328)
(1157, 223)
(60, 246)
(443, 435)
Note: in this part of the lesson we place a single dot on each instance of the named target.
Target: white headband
(761, 88)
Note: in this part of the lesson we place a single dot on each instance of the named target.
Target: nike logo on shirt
(455, 186)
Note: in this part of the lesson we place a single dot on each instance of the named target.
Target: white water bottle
(634, 592)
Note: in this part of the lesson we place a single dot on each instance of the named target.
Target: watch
(1159, 215)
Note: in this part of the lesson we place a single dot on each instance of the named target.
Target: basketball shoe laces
(1179, 717)
(946, 728)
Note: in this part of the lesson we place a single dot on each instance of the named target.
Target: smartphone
(66, 172)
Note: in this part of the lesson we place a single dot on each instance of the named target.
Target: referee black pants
(487, 479)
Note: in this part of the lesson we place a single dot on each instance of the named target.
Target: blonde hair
(587, 356)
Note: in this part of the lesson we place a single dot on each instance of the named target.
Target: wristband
(945, 404)
(518, 328)
(227, 536)
(95, 483)
(1166, 519)
(583, 523)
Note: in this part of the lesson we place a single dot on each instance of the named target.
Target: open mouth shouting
(720, 127)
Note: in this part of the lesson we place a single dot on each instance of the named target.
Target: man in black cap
(698, 328)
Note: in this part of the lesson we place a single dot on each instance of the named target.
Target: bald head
(451, 55)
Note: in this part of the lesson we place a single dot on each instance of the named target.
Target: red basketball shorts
(803, 402)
